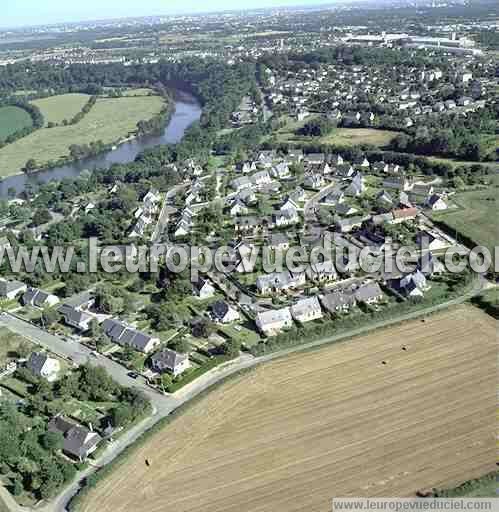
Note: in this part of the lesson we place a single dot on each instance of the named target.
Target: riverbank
(109, 121)
(185, 110)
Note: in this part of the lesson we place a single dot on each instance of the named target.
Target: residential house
(281, 171)
(124, 335)
(167, 360)
(397, 183)
(79, 442)
(349, 224)
(241, 183)
(384, 199)
(314, 181)
(436, 203)
(411, 285)
(238, 208)
(43, 366)
(279, 242)
(369, 293)
(431, 240)
(203, 289)
(272, 322)
(260, 178)
(279, 282)
(321, 272)
(75, 318)
(306, 310)
(248, 225)
(314, 158)
(285, 218)
(224, 313)
(338, 302)
(403, 215)
(11, 289)
(345, 210)
(382, 218)
(357, 186)
(38, 298)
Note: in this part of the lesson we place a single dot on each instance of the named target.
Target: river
(187, 111)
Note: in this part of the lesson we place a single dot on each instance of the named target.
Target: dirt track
(296, 432)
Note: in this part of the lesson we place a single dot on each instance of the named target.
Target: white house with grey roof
(272, 322)
(338, 302)
(76, 318)
(79, 442)
(38, 298)
(43, 366)
(169, 361)
(306, 310)
(369, 293)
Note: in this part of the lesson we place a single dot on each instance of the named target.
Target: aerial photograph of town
(249, 256)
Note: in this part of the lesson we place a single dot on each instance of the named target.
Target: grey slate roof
(75, 437)
(167, 359)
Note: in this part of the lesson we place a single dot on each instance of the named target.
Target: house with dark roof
(38, 298)
(223, 312)
(79, 442)
(75, 318)
(338, 302)
(369, 293)
(123, 335)
(169, 361)
(43, 366)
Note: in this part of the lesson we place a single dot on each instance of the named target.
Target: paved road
(170, 403)
(79, 354)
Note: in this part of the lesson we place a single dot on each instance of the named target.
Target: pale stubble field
(294, 433)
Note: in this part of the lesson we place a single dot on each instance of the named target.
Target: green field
(476, 217)
(338, 137)
(13, 119)
(357, 136)
(109, 120)
(65, 106)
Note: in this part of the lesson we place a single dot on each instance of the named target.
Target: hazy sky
(15, 13)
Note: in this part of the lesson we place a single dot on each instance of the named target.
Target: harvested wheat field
(296, 432)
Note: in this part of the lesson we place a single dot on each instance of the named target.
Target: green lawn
(109, 120)
(65, 106)
(9, 343)
(476, 217)
(13, 119)
(485, 487)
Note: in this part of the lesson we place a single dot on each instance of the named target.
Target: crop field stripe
(296, 432)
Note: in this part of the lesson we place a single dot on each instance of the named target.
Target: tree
(30, 166)
(50, 317)
(166, 381)
(17, 487)
(41, 216)
(231, 348)
(120, 415)
(52, 441)
(23, 350)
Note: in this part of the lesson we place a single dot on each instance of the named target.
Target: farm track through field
(293, 433)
